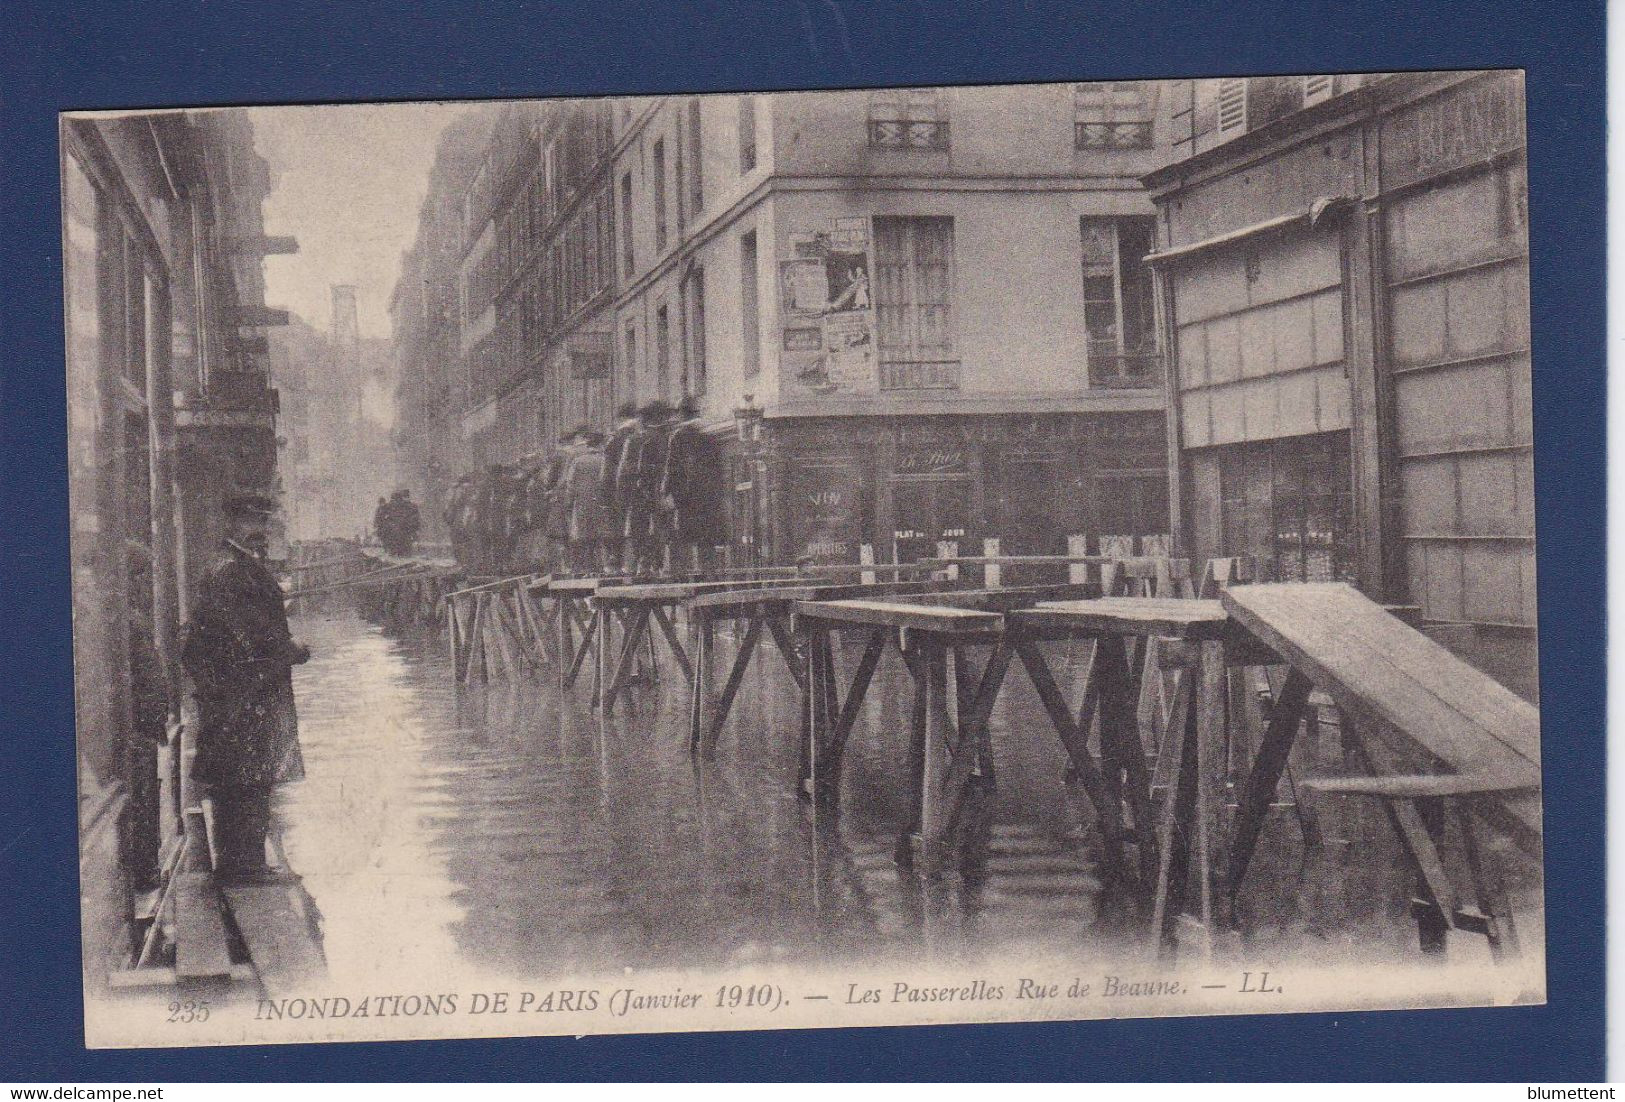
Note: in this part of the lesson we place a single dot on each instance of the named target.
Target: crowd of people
(646, 500)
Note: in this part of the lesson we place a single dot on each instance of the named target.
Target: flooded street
(491, 829)
(506, 831)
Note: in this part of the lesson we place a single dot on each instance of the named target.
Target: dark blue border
(97, 54)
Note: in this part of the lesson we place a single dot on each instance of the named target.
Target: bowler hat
(657, 410)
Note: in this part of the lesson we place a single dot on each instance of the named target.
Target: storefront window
(1289, 503)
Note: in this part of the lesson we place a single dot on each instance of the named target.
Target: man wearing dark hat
(238, 651)
(652, 532)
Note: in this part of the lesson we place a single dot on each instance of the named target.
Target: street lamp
(748, 420)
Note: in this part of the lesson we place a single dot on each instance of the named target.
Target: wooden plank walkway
(277, 921)
(201, 949)
(1375, 666)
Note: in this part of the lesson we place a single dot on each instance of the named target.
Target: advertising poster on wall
(828, 310)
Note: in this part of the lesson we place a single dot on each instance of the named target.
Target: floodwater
(509, 831)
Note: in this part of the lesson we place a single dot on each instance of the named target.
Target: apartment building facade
(536, 280)
(914, 316)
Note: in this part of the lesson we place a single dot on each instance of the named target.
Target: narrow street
(505, 831)
(492, 830)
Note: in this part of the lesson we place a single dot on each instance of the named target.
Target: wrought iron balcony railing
(905, 134)
(1134, 371)
(1112, 135)
(919, 374)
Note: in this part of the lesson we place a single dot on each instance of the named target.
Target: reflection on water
(505, 831)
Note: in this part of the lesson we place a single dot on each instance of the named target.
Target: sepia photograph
(809, 559)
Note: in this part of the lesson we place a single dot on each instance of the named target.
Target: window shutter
(1232, 104)
(1317, 88)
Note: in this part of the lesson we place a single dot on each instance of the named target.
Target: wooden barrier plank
(899, 614)
(278, 931)
(1177, 617)
(201, 950)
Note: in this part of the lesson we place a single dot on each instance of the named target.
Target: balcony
(1134, 371)
(1112, 135)
(908, 134)
(241, 390)
(919, 374)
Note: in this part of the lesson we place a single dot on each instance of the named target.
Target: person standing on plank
(626, 425)
(239, 652)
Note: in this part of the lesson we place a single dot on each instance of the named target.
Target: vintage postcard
(815, 559)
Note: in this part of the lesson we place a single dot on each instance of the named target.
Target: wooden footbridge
(1192, 694)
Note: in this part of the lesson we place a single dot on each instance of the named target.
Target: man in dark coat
(626, 425)
(398, 530)
(653, 532)
(239, 653)
(691, 488)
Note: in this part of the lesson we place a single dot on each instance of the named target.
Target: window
(747, 133)
(660, 195)
(749, 301)
(914, 286)
(696, 162)
(1117, 115)
(679, 180)
(627, 255)
(908, 118)
(629, 370)
(662, 351)
(1118, 315)
(694, 365)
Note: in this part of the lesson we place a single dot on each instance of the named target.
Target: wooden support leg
(1210, 729)
(565, 623)
(571, 664)
(1105, 802)
(477, 633)
(700, 633)
(730, 687)
(1173, 850)
(454, 641)
(1121, 748)
(787, 647)
(1488, 886)
(637, 627)
(941, 737)
(604, 619)
(1285, 719)
(669, 630)
(973, 752)
(916, 663)
(814, 722)
(828, 774)
(1417, 823)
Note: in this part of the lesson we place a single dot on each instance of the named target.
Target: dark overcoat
(239, 652)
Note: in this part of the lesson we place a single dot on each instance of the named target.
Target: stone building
(170, 411)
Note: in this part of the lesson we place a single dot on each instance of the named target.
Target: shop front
(897, 489)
